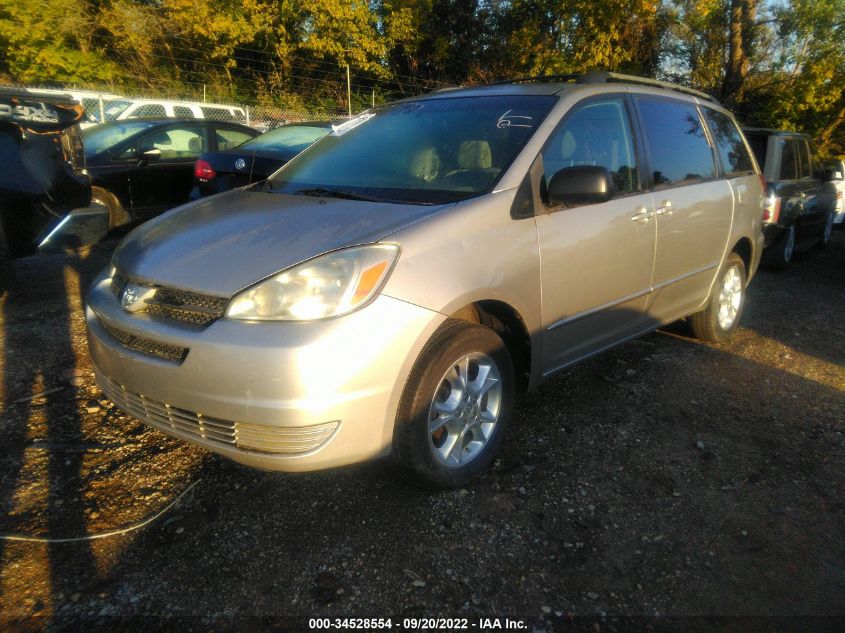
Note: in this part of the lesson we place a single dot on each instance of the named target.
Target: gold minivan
(390, 290)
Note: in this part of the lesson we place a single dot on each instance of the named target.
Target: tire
(720, 318)
(117, 214)
(827, 231)
(7, 269)
(781, 255)
(441, 438)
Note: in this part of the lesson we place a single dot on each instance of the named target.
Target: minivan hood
(223, 244)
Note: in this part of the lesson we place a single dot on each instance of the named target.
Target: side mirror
(152, 154)
(831, 175)
(582, 184)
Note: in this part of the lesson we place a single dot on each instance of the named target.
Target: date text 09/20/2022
(417, 624)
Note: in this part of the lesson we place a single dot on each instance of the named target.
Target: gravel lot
(666, 477)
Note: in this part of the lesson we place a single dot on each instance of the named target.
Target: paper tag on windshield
(351, 124)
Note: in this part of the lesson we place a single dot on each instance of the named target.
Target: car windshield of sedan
(434, 151)
(291, 138)
(99, 138)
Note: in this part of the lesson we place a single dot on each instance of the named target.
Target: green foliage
(776, 62)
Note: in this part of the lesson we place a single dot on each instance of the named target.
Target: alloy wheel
(730, 297)
(465, 409)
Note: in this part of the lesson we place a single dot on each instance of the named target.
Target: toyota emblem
(134, 297)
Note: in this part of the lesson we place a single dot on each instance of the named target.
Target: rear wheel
(455, 406)
(720, 318)
(827, 231)
(782, 253)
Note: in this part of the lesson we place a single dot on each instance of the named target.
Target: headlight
(326, 286)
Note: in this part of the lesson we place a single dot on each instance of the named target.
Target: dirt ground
(664, 478)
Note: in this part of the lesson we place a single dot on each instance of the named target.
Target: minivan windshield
(433, 151)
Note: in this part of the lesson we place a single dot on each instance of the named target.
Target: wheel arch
(508, 323)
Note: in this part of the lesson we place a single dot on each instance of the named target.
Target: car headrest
(195, 145)
(425, 164)
(475, 155)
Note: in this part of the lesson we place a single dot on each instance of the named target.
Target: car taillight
(771, 209)
(204, 171)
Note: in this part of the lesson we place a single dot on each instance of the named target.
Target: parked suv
(799, 210)
(390, 290)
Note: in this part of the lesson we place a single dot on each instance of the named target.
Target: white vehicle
(838, 165)
(182, 110)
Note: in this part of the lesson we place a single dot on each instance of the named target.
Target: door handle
(642, 215)
(666, 209)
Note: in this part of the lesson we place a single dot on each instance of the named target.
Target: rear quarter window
(219, 114)
(788, 159)
(678, 149)
(804, 156)
(732, 151)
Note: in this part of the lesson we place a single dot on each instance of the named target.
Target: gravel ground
(666, 477)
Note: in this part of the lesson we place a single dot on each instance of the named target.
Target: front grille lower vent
(146, 346)
(258, 438)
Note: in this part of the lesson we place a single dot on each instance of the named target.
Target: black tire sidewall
(412, 442)
(783, 260)
(7, 270)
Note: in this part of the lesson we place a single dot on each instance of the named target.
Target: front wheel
(117, 214)
(720, 318)
(455, 406)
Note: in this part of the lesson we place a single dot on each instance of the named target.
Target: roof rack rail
(604, 76)
(517, 80)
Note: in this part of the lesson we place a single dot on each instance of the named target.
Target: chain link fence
(103, 105)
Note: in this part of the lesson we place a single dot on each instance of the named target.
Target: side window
(678, 148)
(595, 134)
(149, 109)
(182, 112)
(176, 143)
(804, 156)
(732, 151)
(788, 159)
(759, 145)
(220, 114)
(227, 139)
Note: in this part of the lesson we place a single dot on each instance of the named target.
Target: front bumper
(277, 396)
(80, 227)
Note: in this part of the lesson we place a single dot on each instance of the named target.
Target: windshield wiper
(322, 192)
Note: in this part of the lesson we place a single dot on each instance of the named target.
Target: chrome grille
(258, 438)
(177, 305)
(186, 306)
(145, 345)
